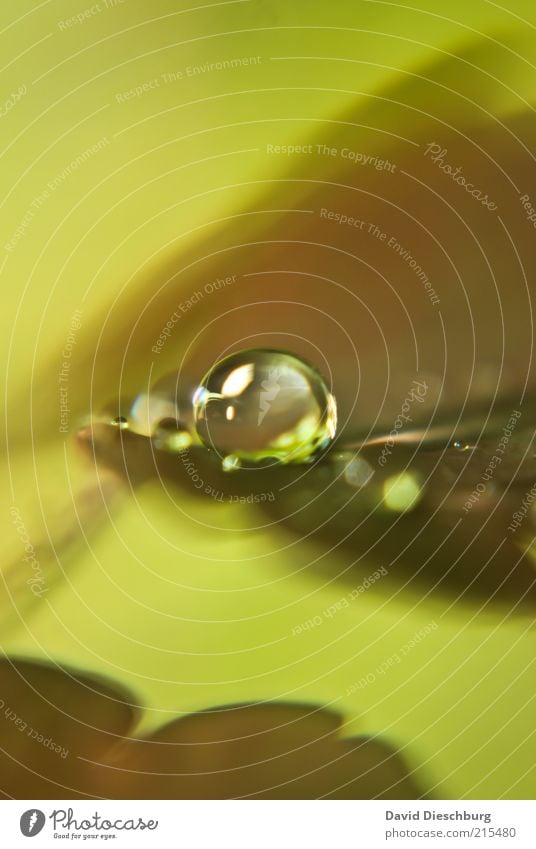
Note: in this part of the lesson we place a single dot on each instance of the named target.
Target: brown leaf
(81, 747)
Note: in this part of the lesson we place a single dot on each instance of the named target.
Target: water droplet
(260, 404)
(170, 435)
(121, 422)
(460, 446)
(169, 398)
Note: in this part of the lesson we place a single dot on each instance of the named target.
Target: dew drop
(121, 422)
(170, 435)
(264, 404)
(168, 399)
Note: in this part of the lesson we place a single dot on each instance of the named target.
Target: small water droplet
(170, 435)
(460, 446)
(121, 422)
(260, 403)
(169, 398)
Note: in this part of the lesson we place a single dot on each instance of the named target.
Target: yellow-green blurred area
(145, 155)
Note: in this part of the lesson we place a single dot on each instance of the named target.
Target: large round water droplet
(260, 404)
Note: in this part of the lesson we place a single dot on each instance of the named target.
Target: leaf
(67, 735)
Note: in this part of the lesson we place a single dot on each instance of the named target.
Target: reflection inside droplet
(260, 404)
(231, 463)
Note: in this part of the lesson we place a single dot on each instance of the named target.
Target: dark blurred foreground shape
(65, 735)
